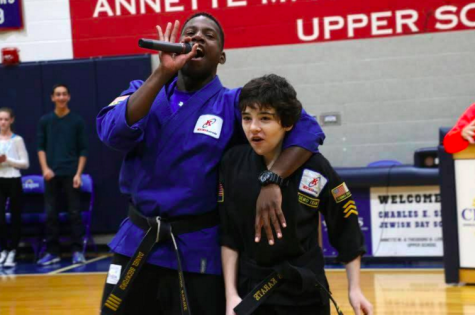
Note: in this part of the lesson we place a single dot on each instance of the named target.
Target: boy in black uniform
(288, 277)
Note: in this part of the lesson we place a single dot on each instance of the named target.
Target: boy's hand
(48, 174)
(77, 181)
(231, 303)
(360, 305)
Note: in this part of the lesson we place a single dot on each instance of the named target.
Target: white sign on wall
(406, 221)
(465, 183)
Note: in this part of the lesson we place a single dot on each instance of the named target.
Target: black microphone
(177, 48)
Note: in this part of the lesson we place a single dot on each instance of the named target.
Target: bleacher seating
(34, 215)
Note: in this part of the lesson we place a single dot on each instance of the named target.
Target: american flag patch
(341, 193)
(119, 99)
(221, 193)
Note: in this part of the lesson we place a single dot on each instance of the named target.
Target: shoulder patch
(312, 182)
(308, 201)
(341, 193)
(118, 100)
(350, 208)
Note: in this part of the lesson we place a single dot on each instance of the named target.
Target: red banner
(113, 27)
(11, 17)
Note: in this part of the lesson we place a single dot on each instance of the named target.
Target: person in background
(462, 134)
(62, 152)
(13, 158)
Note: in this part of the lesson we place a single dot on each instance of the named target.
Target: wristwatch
(268, 177)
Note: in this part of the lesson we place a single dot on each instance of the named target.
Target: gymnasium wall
(93, 83)
(46, 34)
(392, 93)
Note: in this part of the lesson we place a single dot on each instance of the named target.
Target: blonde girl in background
(13, 158)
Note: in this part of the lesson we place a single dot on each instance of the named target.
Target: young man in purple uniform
(174, 128)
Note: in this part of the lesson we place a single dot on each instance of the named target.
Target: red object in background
(453, 141)
(10, 56)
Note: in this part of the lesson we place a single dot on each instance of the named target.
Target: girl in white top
(13, 157)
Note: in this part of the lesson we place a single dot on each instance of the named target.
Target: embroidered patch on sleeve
(341, 193)
(119, 99)
(312, 182)
(114, 274)
(221, 193)
(306, 200)
(350, 208)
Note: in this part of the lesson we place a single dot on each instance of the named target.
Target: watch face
(264, 177)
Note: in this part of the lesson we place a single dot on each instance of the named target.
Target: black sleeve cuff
(348, 256)
(226, 240)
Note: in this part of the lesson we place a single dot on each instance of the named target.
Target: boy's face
(60, 97)
(204, 32)
(263, 129)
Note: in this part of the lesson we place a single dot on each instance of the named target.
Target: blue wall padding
(399, 175)
(93, 84)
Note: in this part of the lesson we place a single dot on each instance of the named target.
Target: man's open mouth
(199, 53)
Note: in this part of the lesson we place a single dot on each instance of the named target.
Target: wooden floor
(391, 292)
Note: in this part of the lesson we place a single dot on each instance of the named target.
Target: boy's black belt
(276, 276)
(157, 230)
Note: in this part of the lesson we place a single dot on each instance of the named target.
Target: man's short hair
(272, 91)
(59, 85)
(212, 18)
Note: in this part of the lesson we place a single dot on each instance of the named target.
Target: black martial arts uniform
(313, 188)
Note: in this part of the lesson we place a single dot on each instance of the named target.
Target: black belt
(279, 275)
(157, 230)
